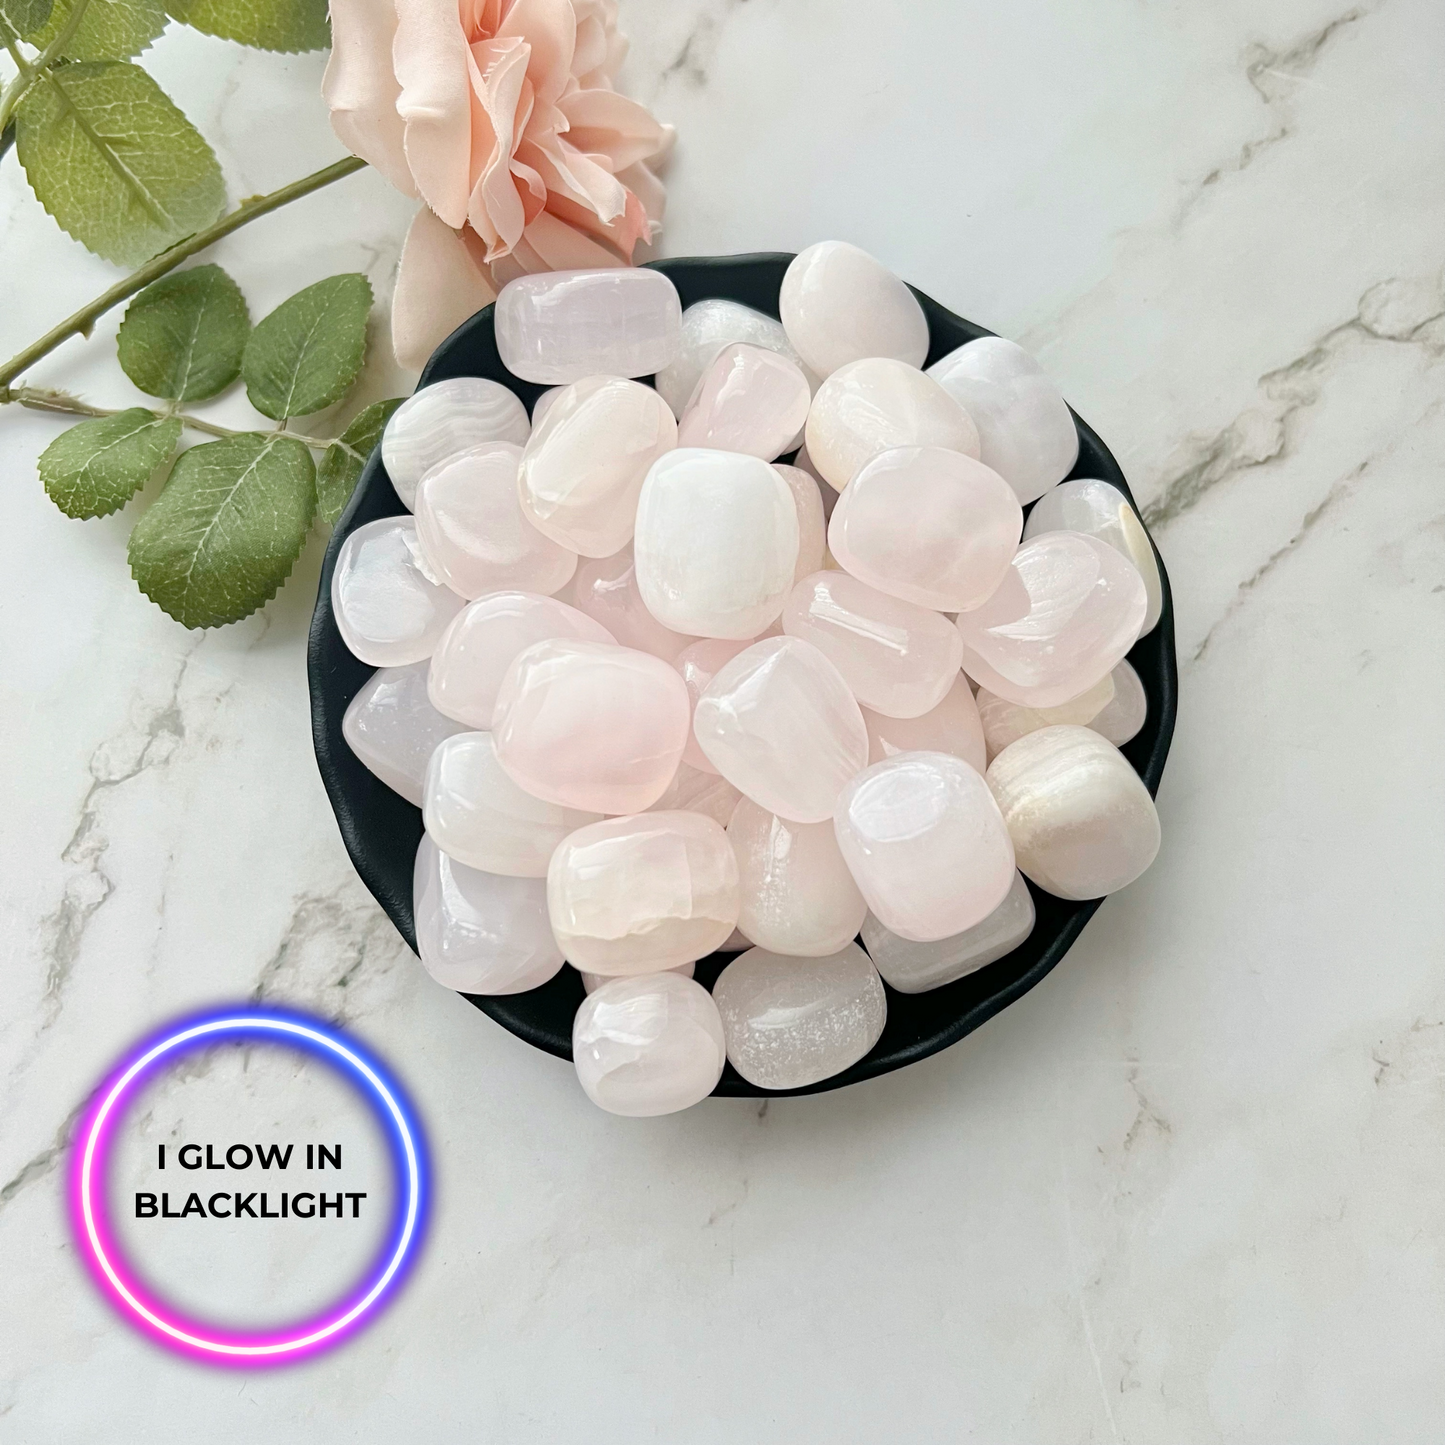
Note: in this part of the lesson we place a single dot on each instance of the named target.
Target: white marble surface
(1189, 1189)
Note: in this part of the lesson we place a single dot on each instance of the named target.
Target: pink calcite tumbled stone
(699, 663)
(1081, 819)
(796, 894)
(929, 525)
(1067, 611)
(898, 659)
(694, 791)
(747, 400)
(951, 727)
(591, 982)
(648, 1045)
(605, 588)
(393, 727)
(812, 518)
(582, 468)
(589, 725)
(926, 843)
(779, 723)
(472, 531)
(1126, 712)
(477, 648)
(643, 893)
(874, 405)
(1006, 722)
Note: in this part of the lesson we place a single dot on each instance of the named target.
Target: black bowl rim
(699, 277)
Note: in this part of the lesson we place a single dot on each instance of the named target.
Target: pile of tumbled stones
(660, 696)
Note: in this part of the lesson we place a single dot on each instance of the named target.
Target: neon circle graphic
(91, 1155)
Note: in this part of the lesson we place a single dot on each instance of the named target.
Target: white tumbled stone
(480, 932)
(716, 543)
(796, 895)
(443, 420)
(474, 534)
(874, 405)
(951, 727)
(838, 304)
(476, 814)
(479, 644)
(642, 893)
(555, 327)
(748, 400)
(1005, 722)
(1082, 822)
(649, 1045)
(779, 723)
(1026, 431)
(917, 967)
(1126, 712)
(924, 839)
(389, 610)
(1067, 611)
(707, 327)
(393, 728)
(899, 659)
(1101, 510)
(584, 465)
(790, 1022)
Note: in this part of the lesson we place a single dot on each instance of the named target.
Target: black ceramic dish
(381, 830)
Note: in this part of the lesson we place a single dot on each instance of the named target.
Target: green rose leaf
(113, 160)
(340, 468)
(226, 531)
(307, 352)
(96, 467)
(183, 336)
(266, 24)
(19, 17)
(109, 29)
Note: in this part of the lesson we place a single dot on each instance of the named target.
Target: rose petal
(644, 184)
(550, 244)
(550, 28)
(438, 286)
(432, 64)
(499, 81)
(608, 124)
(361, 90)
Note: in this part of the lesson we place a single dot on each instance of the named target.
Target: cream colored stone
(642, 893)
(591, 982)
(1082, 821)
(1006, 722)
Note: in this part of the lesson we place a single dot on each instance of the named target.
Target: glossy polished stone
(592, 726)
(481, 641)
(1067, 611)
(543, 404)
(443, 420)
(584, 464)
(1026, 431)
(1126, 712)
(555, 327)
(480, 932)
(716, 543)
(838, 304)
(917, 967)
(796, 894)
(929, 525)
(779, 723)
(476, 814)
(643, 893)
(647, 1046)
(473, 533)
(605, 588)
(791, 1022)
(1100, 510)
(1006, 722)
(747, 400)
(874, 405)
(389, 611)
(812, 519)
(692, 790)
(591, 982)
(1082, 821)
(707, 327)
(898, 659)
(924, 840)
(951, 727)
(393, 728)
(698, 664)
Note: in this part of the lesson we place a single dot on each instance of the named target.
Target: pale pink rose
(500, 115)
